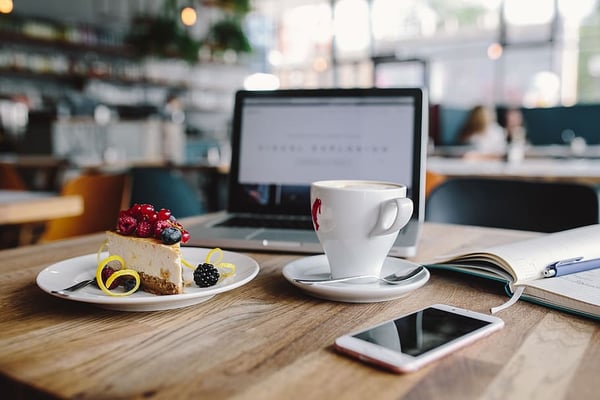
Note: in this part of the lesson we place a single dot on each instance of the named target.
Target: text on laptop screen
(298, 141)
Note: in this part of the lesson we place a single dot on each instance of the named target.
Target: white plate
(68, 272)
(317, 267)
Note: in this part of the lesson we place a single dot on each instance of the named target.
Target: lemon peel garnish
(124, 272)
(121, 272)
(211, 253)
(187, 264)
(230, 267)
(227, 266)
(100, 250)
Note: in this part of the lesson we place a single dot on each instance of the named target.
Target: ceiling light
(188, 16)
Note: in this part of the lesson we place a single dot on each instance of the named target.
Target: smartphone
(411, 341)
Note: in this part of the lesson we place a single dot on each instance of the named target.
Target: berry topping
(206, 275)
(147, 211)
(185, 236)
(136, 211)
(144, 229)
(164, 214)
(127, 224)
(160, 226)
(142, 220)
(171, 235)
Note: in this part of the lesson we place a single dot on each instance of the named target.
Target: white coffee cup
(357, 223)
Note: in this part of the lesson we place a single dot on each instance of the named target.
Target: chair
(165, 188)
(432, 180)
(10, 178)
(539, 206)
(104, 195)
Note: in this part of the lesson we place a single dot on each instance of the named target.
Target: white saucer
(317, 267)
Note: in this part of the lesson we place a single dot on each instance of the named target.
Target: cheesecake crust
(155, 285)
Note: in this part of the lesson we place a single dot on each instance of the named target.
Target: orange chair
(10, 178)
(432, 180)
(104, 195)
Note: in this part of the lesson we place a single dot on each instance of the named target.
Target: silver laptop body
(285, 139)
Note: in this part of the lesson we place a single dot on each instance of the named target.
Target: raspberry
(160, 226)
(127, 224)
(106, 273)
(170, 235)
(206, 275)
(144, 229)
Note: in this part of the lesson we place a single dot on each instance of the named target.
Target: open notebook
(285, 139)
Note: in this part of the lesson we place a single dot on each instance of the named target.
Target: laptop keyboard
(277, 222)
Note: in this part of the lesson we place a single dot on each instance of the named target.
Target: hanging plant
(228, 34)
(237, 6)
(163, 36)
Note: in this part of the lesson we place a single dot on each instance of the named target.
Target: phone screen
(424, 330)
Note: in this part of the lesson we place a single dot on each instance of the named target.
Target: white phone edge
(404, 363)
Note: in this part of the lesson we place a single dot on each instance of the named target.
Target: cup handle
(403, 208)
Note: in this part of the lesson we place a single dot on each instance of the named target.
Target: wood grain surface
(269, 340)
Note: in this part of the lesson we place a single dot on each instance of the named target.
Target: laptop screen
(284, 140)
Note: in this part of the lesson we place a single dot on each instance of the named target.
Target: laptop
(283, 140)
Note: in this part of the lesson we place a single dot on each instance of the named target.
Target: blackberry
(170, 235)
(206, 275)
(129, 284)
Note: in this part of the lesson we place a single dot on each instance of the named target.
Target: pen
(570, 266)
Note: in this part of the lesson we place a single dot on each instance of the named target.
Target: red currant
(136, 211)
(147, 211)
(164, 214)
(185, 236)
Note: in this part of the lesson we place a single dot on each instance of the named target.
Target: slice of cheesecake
(159, 265)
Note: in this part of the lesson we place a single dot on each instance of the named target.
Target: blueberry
(170, 235)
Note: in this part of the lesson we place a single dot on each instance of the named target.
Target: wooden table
(18, 207)
(551, 169)
(269, 340)
(20, 211)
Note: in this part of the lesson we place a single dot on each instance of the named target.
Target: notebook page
(530, 257)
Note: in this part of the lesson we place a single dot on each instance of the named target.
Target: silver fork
(74, 287)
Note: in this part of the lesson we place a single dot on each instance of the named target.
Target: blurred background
(91, 85)
(115, 60)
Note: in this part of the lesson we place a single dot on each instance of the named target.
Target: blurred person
(514, 125)
(483, 133)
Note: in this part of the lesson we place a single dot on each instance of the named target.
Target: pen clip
(565, 262)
